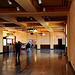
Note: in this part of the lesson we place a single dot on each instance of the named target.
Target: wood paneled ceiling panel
(60, 18)
(11, 25)
(13, 7)
(57, 24)
(25, 19)
(52, 3)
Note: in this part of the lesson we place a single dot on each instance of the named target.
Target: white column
(51, 40)
(25, 36)
(1, 39)
(38, 41)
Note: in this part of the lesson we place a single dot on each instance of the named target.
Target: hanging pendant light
(18, 9)
(9, 2)
(40, 1)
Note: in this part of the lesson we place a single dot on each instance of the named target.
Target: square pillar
(51, 40)
(38, 41)
(1, 40)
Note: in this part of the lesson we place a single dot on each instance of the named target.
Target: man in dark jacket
(18, 48)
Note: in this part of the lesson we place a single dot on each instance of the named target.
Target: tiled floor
(40, 62)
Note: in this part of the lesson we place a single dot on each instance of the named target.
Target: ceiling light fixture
(9, 2)
(42, 34)
(18, 9)
(31, 33)
(40, 1)
(35, 30)
(31, 18)
(31, 30)
(27, 16)
(44, 9)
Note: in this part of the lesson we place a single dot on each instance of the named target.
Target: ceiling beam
(48, 9)
(27, 5)
(34, 22)
(12, 29)
(18, 22)
(5, 22)
(24, 14)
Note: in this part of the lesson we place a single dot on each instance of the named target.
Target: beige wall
(72, 34)
(21, 36)
(59, 35)
(44, 40)
(1, 40)
(24, 37)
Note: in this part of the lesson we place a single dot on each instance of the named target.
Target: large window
(4, 42)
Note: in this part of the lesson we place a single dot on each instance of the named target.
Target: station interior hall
(47, 24)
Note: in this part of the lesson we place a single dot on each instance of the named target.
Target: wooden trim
(57, 47)
(72, 67)
(45, 46)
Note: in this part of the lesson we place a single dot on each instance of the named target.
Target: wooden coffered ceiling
(50, 16)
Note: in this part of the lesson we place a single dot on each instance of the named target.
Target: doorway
(59, 43)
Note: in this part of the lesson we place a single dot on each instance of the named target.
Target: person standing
(32, 47)
(18, 48)
(28, 47)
